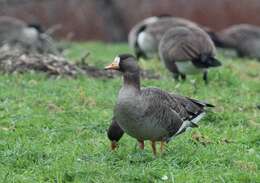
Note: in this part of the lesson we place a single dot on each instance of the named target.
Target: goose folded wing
(193, 107)
(173, 112)
(165, 109)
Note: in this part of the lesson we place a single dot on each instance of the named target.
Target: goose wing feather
(171, 111)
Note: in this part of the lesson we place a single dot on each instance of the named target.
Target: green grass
(54, 130)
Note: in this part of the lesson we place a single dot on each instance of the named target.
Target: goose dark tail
(138, 52)
(201, 103)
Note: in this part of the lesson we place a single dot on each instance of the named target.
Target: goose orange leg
(141, 144)
(153, 143)
(113, 145)
(162, 146)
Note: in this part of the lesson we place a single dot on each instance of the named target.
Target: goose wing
(186, 43)
(172, 112)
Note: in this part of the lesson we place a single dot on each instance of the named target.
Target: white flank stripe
(187, 124)
(184, 125)
(198, 118)
(187, 67)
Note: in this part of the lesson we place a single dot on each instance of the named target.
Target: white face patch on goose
(117, 60)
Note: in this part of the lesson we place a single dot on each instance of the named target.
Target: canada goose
(150, 113)
(144, 37)
(10, 29)
(133, 36)
(13, 30)
(244, 38)
(29, 36)
(187, 50)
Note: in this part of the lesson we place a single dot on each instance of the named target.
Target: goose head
(125, 63)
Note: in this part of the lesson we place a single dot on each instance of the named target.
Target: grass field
(54, 130)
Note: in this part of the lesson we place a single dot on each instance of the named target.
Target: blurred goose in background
(244, 38)
(134, 32)
(115, 133)
(145, 36)
(150, 113)
(13, 30)
(187, 50)
(29, 36)
(10, 29)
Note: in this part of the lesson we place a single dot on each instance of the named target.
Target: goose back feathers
(187, 50)
(160, 27)
(133, 36)
(182, 44)
(236, 35)
(10, 29)
(244, 38)
(147, 34)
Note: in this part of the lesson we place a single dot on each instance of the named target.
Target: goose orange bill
(114, 66)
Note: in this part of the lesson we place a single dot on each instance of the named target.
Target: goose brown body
(10, 29)
(187, 50)
(134, 32)
(244, 38)
(151, 113)
(28, 36)
(146, 35)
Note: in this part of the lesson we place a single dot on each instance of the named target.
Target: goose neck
(132, 79)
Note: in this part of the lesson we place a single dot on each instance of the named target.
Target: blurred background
(111, 20)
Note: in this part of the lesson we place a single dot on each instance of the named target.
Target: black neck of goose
(132, 79)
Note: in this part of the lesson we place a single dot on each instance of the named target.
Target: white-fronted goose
(187, 50)
(244, 38)
(114, 133)
(144, 37)
(150, 113)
